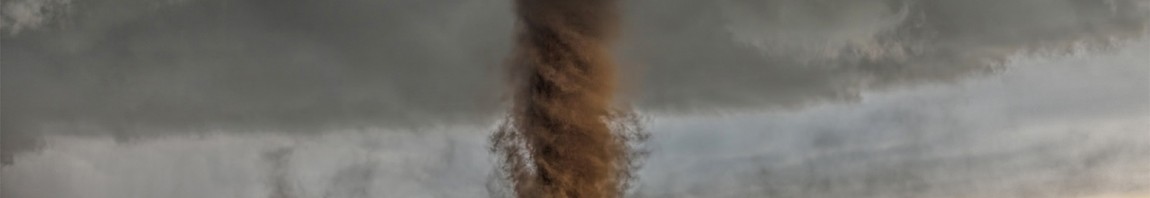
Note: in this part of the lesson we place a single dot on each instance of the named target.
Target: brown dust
(564, 137)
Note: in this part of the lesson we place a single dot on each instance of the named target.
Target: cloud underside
(126, 66)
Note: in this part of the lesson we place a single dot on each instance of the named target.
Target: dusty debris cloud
(559, 140)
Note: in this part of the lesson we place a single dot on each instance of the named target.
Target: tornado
(565, 136)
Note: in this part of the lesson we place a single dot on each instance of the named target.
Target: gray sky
(880, 98)
(1065, 127)
(1061, 127)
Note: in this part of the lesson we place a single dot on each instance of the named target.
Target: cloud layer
(1067, 127)
(129, 67)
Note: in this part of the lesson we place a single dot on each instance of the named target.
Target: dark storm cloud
(258, 62)
(700, 55)
(125, 66)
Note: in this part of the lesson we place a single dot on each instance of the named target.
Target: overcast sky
(754, 98)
